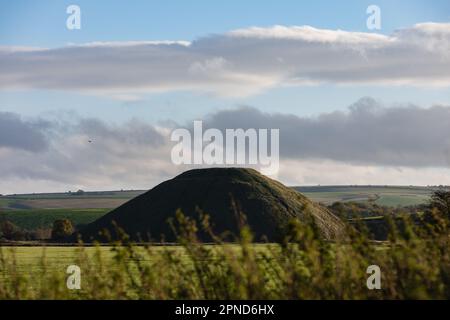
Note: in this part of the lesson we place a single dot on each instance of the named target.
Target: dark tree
(7, 229)
(62, 229)
(10, 231)
(440, 200)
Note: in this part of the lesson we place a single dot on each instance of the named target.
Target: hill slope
(267, 204)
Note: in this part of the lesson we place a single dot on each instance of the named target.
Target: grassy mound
(223, 194)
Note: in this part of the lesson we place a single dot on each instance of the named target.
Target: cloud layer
(367, 133)
(18, 133)
(237, 63)
(87, 153)
(367, 144)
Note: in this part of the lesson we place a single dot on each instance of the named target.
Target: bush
(414, 261)
(10, 231)
(440, 200)
(40, 234)
(62, 229)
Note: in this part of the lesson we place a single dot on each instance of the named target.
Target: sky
(353, 105)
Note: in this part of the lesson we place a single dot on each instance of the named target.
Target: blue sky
(42, 23)
(299, 64)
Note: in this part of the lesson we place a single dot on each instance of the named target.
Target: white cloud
(237, 63)
(310, 34)
(328, 172)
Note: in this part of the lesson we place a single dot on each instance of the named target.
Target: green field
(87, 200)
(415, 260)
(58, 258)
(381, 195)
(36, 268)
(307, 268)
(39, 211)
(44, 218)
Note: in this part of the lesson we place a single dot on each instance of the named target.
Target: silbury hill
(229, 196)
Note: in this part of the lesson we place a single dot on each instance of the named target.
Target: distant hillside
(68, 200)
(267, 204)
(392, 196)
(382, 195)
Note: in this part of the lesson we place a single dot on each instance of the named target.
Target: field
(39, 211)
(86, 200)
(414, 261)
(44, 218)
(58, 258)
(381, 195)
(36, 268)
(34, 211)
(307, 267)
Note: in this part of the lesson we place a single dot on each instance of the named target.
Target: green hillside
(267, 204)
(381, 195)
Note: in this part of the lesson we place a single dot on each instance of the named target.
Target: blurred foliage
(414, 262)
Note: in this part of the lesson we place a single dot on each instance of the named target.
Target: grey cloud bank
(367, 133)
(402, 143)
(18, 133)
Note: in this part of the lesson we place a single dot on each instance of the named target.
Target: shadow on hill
(221, 193)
